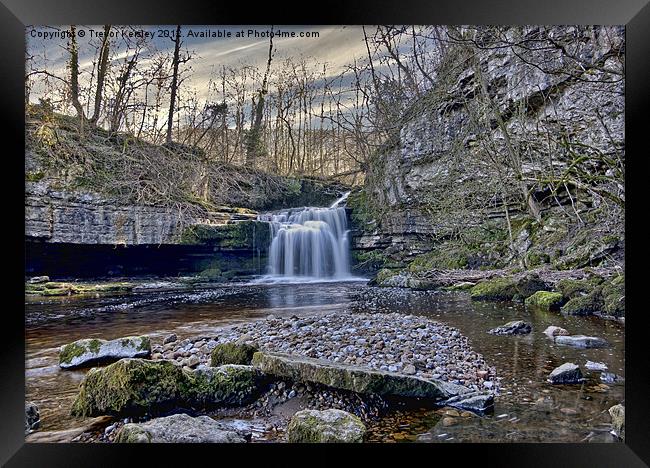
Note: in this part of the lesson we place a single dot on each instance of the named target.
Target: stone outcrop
(232, 353)
(328, 426)
(87, 352)
(178, 428)
(352, 378)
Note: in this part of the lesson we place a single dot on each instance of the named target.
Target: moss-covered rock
(92, 351)
(614, 297)
(351, 378)
(232, 353)
(545, 300)
(130, 387)
(589, 304)
(499, 289)
(529, 284)
(571, 288)
(329, 426)
(227, 385)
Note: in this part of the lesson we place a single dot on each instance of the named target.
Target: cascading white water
(309, 242)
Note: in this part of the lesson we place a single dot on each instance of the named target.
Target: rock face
(415, 183)
(517, 327)
(581, 341)
(92, 351)
(351, 378)
(232, 353)
(567, 373)
(617, 412)
(137, 387)
(178, 428)
(327, 426)
(32, 417)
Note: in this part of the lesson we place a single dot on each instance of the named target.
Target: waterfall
(309, 242)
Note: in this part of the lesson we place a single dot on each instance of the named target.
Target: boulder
(477, 403)
(352, 378)
(130, 387)
(32, 417)
(331, 425)
(530, 284)
(138, 387)
(590, 304)
(571, 288)
(499, 289)
(545, 300)
(554, 331)
(178, 428)
(614, 297)
(94, 351)
(517, 327)
(567, 373)
(227, 385)
(232, 353)
(581, 341)
(617, 412)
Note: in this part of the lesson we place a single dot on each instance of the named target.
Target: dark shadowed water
(527, 408)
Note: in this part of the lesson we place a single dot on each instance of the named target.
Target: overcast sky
(336, 45)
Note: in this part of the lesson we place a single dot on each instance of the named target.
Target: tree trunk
(174, 85)
(254, 136)
(101, 73)
(74, 74)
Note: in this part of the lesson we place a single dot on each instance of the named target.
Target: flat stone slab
(581, 341)
(352, 378)
(178, 428)
(328, 426)
(88, 352)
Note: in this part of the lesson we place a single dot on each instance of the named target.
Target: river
(527, 409)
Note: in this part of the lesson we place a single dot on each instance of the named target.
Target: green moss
(232, 353)
(571, 288)
(94, 346)
(584, 305)
(239, 235)
(534, 259)
(310, 427)
(447, 257)
(70, 351)
(145, 344)
(614, 297)
(383, 274)
(499, 289)
(129, 386)
(56, 292)
(545, 300)
(34, 176)
(227, 385)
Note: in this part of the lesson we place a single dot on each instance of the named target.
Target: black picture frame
(16, 14)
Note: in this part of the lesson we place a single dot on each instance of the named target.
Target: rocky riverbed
(387, 342)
